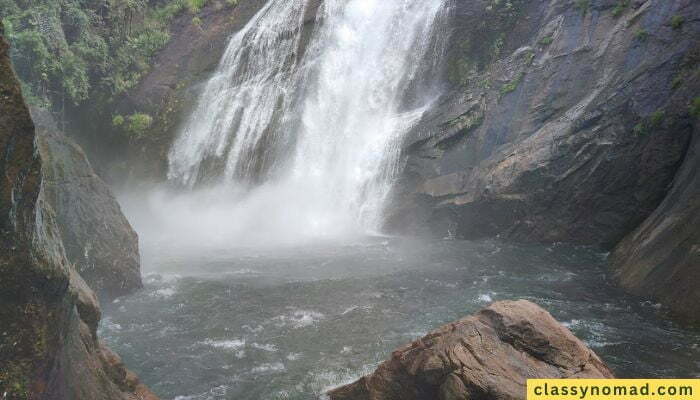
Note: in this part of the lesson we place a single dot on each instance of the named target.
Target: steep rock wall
(96, 236)
(661, 258)
(48, 343)
(568, 124)
(568, 121)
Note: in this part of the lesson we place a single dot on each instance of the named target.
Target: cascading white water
(320, 131)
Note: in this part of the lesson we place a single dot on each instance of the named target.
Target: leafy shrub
(194, 6)
(656, 118)
(138, 124)
(117, 120)
(641, 35)
(512, 85)
(546, 41)
(677, 22)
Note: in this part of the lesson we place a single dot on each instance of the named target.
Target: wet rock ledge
(488, 355)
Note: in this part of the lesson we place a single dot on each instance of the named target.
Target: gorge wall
(568, 121)
(49, 347)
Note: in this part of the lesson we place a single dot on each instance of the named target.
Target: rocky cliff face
(661, 258)
(568, 121)
(48, 320)
(489, 355)
(565, 121)
(96, 236)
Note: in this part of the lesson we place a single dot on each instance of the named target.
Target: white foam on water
(232, 344)
(268, 367)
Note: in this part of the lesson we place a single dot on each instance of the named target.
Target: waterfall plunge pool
(291, 321)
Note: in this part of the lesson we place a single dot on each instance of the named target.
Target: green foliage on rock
(641, 35)
(546, 41)
(137, 124)
(485, 42)
(65, 50)
(117, 120)
(695, 107)
(582, 6)
(620, 8)
(677, 22)
(512, 85)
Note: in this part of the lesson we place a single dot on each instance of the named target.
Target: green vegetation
(652, 121)
(677, 22)
(117, 120)
(546, 41)
(677, 82)
(620, 8)
(695, 107)
(484, 41)
(641, 35)
(656, 118)
(67, 50)
(137, 124)
(512, 85)
(582, 6)
(529, 57)
(640, 129)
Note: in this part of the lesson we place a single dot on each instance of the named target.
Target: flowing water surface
(288, 322)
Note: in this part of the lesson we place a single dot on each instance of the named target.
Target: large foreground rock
(97, 237)
(488, 355)
(48, 319)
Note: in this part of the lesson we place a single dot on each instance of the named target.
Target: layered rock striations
(488, 355)
(661, 258)
(48, 320)
(568, 121)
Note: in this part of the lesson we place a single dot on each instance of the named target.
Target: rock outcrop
(489, 355)
(568, 121)
(563, 121)
(661, 258)
(96, 236)
(48, 320)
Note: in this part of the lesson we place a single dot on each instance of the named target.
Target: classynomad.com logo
(613, 389)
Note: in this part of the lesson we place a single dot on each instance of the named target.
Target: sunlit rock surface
(488, 355)
(48, 319)
(97, 237)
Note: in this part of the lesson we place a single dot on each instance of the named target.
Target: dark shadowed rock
(661, 258)
(567, 130)
(489, 355)
(48, 319)
(97, 237)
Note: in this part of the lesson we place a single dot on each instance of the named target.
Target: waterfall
(313, 123)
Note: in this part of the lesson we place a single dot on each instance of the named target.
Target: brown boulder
(490, 354)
